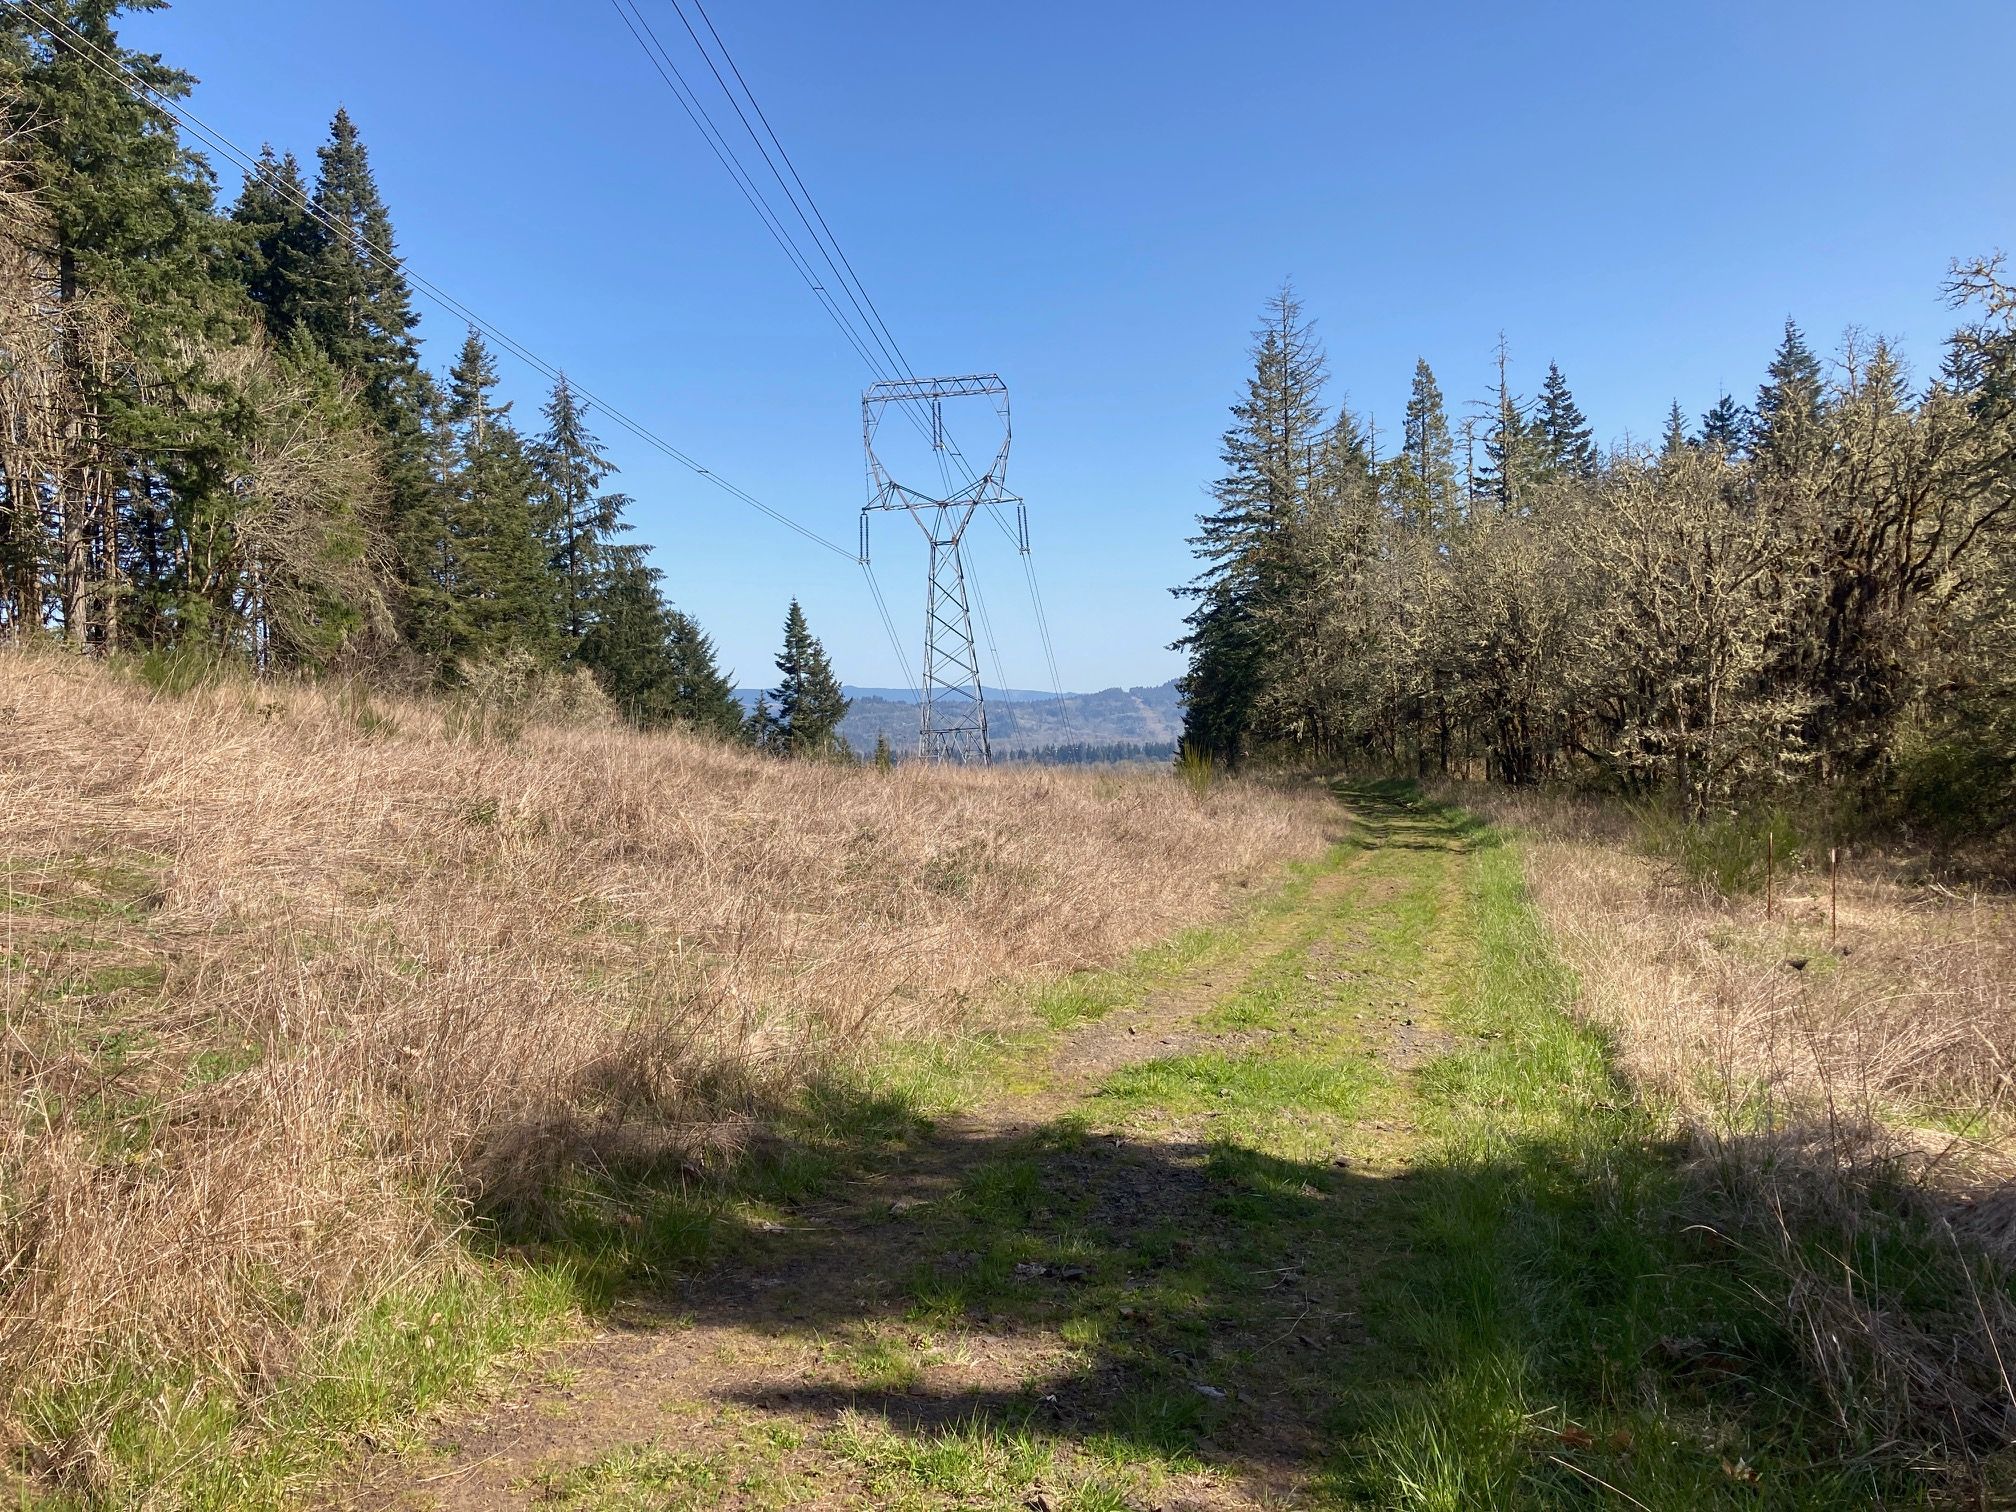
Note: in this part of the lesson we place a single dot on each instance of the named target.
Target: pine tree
(503, 588)
(580, 521)
(1425, 491)
(807, 705)
(361, 308)
(1565, 436)
(1789, 405)
(128, 247)
(702, 693)
(1514, 448)
(1269, 453)
(627, 645)
(357, 304)
(281, 238)
(1675, 442)
(885, 758)
(1726, 428)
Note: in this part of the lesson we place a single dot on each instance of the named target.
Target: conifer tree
(885, 758)
(129, 238)
(1789, 406)
(503, 587)
(627, 645)
(1425, 491)
(360, 307)
(1565, 435)
(1675, 441)
(579, 521)
(806, 705)
(280, 244)
(1269, 453)
(1515, 448)
(1726, 428)
(702, 694)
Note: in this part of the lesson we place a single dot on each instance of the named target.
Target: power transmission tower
(952, 708)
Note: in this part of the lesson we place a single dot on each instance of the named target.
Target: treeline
(1815, 590)
(217, 435)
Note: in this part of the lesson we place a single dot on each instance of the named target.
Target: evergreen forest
(221, 440)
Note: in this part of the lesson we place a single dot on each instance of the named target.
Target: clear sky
(1094, 200)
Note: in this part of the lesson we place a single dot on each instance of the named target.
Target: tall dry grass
(1845, 1087)
(293, 981)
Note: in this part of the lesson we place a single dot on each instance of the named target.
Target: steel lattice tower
(952, 707)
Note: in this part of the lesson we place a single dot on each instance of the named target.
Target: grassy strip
(1563, 1331)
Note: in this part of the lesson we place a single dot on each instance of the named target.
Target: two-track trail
(1138, 1269)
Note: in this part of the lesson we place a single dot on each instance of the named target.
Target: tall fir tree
(504, 590)
(1514, 448)
(141, 302)
(1566, 438)
(702, 693)
(626, 645)
(358, 305)
(580, 520)
(280, 242)
(361, 307)
(1269, 454)
(1727, 428)
(1424, 487)
(806, 706)
(1789, 406)
(1675, 441)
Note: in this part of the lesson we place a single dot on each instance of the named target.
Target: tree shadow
(1182, 1300)
(1200, 1303)
(1392, 812)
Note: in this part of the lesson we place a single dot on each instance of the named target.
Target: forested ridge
(1814, 591)
(219, 440)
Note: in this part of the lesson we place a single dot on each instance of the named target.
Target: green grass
(101, 886)
(1242, 1086)
(1547, 1333)
(199, 1446)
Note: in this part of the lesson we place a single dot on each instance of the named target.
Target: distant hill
(1019, 718)
(909, 695)
(1145, 716)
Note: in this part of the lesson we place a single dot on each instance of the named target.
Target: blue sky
(1095, 199)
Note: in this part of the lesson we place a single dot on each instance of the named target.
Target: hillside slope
(295, 982)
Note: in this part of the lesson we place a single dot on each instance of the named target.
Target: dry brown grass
(291, 982)
(1848, 1099)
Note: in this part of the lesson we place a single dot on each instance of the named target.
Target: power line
(756, 105)
(660, 59)
(876, 326)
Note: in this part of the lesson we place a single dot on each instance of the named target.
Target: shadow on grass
(1503, 1330)
(1392, 811)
